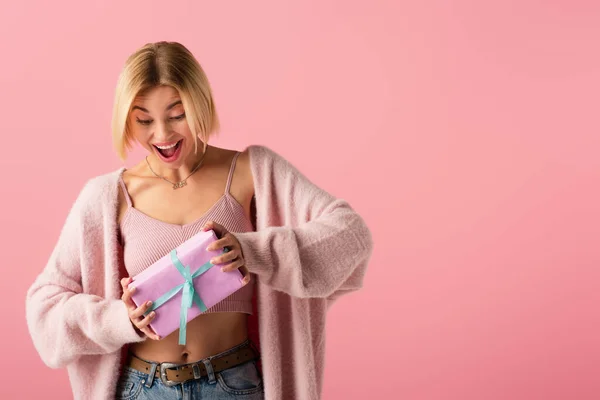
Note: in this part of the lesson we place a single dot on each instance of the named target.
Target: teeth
(167, 147)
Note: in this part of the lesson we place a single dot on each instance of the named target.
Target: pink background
(465, 132)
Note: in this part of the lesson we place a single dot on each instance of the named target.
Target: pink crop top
(146, 239)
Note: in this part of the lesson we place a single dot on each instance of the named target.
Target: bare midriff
(207, 335)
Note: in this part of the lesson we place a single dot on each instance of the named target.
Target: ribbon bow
(189, 295)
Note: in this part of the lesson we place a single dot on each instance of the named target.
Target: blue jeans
(240, 382)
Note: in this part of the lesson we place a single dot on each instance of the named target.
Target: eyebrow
(168, 107)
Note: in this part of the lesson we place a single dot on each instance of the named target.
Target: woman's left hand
(234, 257)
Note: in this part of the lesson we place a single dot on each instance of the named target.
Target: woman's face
(158, 123)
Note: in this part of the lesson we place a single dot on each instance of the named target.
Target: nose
(163, 131)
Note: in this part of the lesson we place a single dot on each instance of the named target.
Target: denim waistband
(157, 366)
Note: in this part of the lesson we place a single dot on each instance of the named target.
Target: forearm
(314, 259)
(65, 325)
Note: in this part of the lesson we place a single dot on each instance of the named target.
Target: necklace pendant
(179, 185)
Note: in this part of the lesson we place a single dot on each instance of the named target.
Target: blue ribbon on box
(189, 295)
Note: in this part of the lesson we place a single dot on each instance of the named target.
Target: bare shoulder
(243, 164)
(130, 174)
(129, 179)
(243, 183)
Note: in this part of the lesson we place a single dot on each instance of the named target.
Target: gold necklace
(182, 183)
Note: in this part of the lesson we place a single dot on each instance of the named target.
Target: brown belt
(172, 374)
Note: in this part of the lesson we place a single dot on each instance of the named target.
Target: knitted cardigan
(309, 248)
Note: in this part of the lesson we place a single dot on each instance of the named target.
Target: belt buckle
(163, 373)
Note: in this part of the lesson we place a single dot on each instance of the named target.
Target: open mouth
(168, 153)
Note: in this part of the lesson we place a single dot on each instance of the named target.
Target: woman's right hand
(136, 314)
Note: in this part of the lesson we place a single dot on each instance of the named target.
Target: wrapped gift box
(168, 283)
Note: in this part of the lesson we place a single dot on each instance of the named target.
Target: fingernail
(149, 303)
(152, 314)
(223, 269)
(132, 289)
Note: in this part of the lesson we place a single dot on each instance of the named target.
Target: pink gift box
(162, 276)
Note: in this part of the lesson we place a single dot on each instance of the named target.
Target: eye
(144, 121)
(179, 117)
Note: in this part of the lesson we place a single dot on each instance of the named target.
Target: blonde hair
(163, 63)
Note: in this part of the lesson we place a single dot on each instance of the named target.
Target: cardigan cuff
(123, 330)
(256, 259)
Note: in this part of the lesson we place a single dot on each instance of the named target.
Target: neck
(190, 165)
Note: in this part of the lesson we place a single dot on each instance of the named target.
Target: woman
(298, 249)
